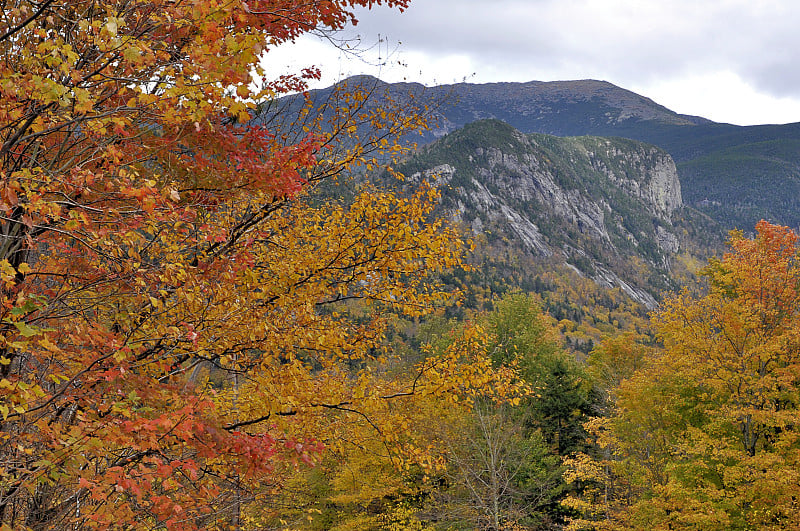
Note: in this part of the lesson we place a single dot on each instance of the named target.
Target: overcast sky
(735, 61)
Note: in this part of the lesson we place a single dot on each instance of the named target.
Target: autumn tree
(178, 319)
(705, 436)
(500, 473)
(504, 459)
(360, 486)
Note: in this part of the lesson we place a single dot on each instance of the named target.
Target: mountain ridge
(716, 176)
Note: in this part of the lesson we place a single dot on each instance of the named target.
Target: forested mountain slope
(610, 209)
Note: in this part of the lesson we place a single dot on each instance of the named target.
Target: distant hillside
(735, 174)
(609, 209)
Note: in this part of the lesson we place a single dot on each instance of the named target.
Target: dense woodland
(211, 324)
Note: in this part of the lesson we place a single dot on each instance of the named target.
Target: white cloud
(721, 96)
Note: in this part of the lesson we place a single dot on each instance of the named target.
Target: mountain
(735, 174)
(562, 108)
(610, 209)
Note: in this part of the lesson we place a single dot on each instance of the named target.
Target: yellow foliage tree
(705, 436)
(177, 321)
(395, 444)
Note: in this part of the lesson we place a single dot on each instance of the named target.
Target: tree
(504, 459)
(561, 400)
(360, 485)
(500, 474)
(179, 324)
(615, 359)
(705, 435)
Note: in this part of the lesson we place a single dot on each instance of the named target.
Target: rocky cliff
(606, 207)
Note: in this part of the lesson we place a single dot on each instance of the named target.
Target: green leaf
(24, 328)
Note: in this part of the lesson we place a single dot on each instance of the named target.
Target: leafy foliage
(705, 434)
(182, 327)
(503, 459)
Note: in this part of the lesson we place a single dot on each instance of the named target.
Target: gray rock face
(441, 174)
(523, 180)
(667, 240)
(651, 176)
(664, 189)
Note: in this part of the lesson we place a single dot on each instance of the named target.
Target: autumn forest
(214, 322)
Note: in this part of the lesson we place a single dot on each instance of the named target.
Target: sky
(732, 61)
